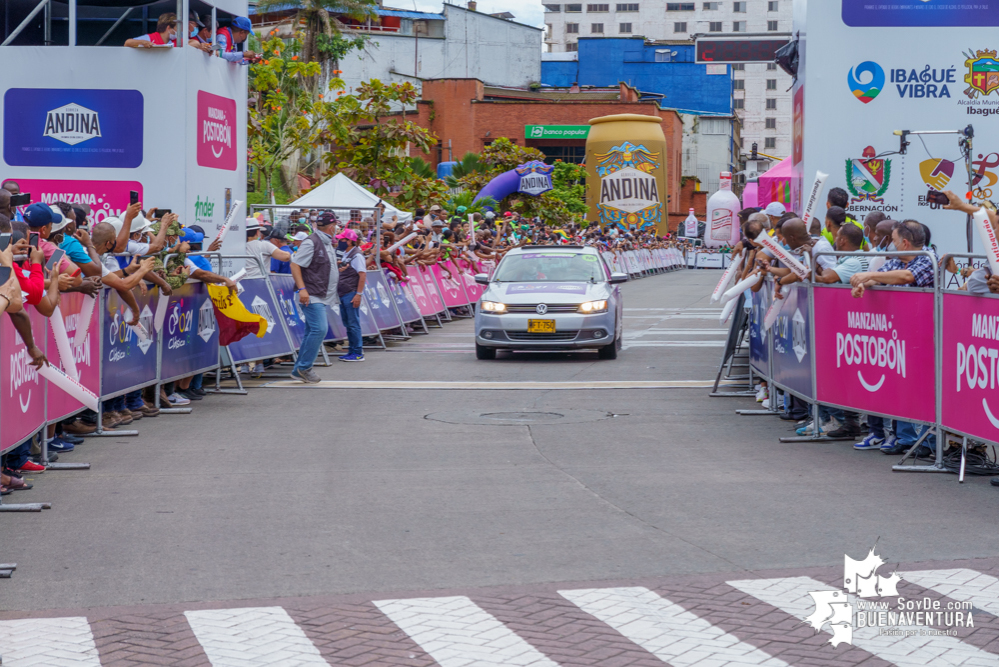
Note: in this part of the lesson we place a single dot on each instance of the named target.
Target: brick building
(467, 115)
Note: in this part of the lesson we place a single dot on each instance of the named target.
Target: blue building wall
(686, 86)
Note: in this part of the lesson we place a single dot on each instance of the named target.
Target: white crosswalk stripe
(253, 637)
(666, 629)
(791, 596)
(48, 642)
(458, 633)
(981, 590)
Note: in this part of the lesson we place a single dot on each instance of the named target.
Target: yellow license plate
(540, 326)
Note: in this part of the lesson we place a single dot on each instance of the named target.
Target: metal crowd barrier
(927, 356)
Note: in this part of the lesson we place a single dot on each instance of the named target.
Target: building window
(571, 47)
(771, 67)
(771, 103)
(771, 84)
(679, 6)
(739, 104)
(772, 6)
(680, 27)
(712, 6)
(631, 7)
(713, 126)
(771, 123)
(574, 154)
(739, 7)
(770, 143)
(553, 8)
(624, 28)
(548, 29)
(574, 8)
(738, 67)
(598, 8)
(663, 55)
(772, 26)
(738, 26)
(738, 84)
(597, 28)
(571, 28)
(715, 26)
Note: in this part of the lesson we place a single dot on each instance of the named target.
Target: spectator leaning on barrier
(257, 247)
(228, 38)
(165, 35)
(904, 271)
(353, 276)
(314, 268)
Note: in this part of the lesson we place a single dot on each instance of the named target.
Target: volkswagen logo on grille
(542, 309)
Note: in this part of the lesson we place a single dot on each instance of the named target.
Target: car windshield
(532, 267)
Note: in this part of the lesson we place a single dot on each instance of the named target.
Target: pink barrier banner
(970, 350)
(419, 289)
(451, 290)
(86, 355)
(22, 407)
(426, 277)
(876, 353)
(472, 288)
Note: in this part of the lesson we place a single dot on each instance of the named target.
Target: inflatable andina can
(626, 172)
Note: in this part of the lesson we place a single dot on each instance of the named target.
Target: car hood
(546, 292)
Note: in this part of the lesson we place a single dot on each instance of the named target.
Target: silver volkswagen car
(550, 298)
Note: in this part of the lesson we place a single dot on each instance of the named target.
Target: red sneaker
(32, 467)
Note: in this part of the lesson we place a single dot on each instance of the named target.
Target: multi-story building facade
(761, 91)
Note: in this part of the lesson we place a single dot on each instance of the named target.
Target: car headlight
(593, 307)
(493, 307)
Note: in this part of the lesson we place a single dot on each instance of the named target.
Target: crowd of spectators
(229, 40)
(916, 266)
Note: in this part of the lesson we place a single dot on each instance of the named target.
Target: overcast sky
(525, 11)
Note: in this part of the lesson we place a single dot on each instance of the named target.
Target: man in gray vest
(314, 268)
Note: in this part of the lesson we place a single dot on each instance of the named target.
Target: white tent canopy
(342, 194)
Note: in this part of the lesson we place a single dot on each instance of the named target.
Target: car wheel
(482, 352)
(608, 351)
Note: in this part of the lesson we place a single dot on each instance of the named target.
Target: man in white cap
(255, 247)
(774, 211)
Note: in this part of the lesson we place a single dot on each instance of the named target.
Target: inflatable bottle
(690, 225)
(723, 215)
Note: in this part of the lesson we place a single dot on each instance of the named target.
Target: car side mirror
(616, 278)
(481, 279)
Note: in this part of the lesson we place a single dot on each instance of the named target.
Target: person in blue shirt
(228, 38)
(281, 242)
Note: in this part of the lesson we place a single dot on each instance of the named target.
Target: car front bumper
(572, 331)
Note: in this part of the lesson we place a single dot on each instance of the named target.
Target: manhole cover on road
(519, 417)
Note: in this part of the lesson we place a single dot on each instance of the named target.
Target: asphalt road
(291, 492)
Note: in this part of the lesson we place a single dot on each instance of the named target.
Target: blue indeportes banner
(792, 343)
(190, 334)
(69, 127)
(128, 360)
(284, 287)
(407, 309)
(380, 302)
(257, 297)
(928, 13)
(759, 350)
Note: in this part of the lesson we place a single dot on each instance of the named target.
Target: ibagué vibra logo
(869, 89)
(864, 602)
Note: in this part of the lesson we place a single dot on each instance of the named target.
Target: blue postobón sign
(792, 342)
(128, 359)
(759, 349)
(257, 298)
(380, 302)
(190, 333)
(72, 128)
